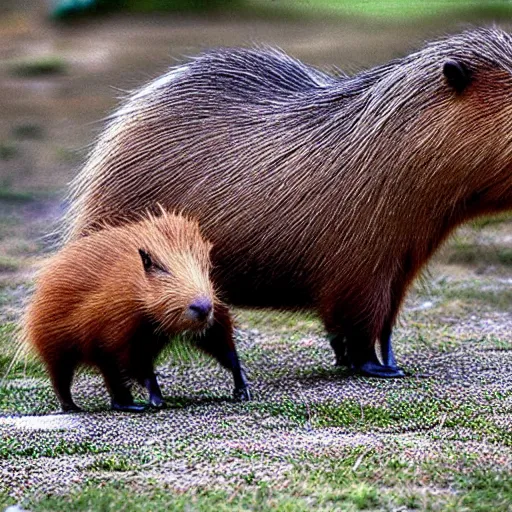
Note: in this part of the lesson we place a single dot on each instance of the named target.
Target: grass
(469, 254)
(385, 10)
(38, 66)
(352, 482)
(28, 131)
(8, 151)
(178, 5)
(395, 10)
(113, 462)
(9, 195)
(284, 321)
(11, 447)
(25, 364)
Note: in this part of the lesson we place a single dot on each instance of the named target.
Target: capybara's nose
(200, 308)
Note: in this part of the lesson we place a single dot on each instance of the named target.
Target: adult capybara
(319, 191)
(113, 299)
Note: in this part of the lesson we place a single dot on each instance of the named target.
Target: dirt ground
(314, 438)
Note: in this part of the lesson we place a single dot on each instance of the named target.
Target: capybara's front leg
(218, 342)
(144, 348)
(155, 394)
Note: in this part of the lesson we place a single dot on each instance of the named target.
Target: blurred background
(64, 65)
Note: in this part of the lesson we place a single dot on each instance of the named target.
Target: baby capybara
(112, 300)
(317, 191)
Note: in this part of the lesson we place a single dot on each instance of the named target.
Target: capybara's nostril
(201, 308)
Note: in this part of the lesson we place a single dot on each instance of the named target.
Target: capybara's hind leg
(338, 343)
(218, 342)
(61, 374)
(355, 346)
(388, 368)
(118, 386)
(364, 359)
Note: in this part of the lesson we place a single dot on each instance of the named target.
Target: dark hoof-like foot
(128, 407)
(242, 394)
(342, 362)
(371, 369)
(156, 402)
(67, 408)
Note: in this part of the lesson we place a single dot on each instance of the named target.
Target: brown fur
(317, 191)
(96, 304)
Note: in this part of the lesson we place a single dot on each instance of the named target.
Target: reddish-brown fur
(317, 191)
(100, 302)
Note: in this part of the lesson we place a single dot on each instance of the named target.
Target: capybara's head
(177, 294)
(444, 115)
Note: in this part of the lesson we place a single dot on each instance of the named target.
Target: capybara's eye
(161, 268)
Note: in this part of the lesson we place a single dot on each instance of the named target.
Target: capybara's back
(111, 300)
(316, 191)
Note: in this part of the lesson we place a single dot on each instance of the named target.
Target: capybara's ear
(146, 260)
(457, 75)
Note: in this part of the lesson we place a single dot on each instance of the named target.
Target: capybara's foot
(116, 406)
(242, 394)
(155, 394)
(342, 360)
(157, 402)
(372, 369)
(70, 407)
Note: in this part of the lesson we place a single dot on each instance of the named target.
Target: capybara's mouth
(199, 325)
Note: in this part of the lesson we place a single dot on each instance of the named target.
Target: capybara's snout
(200, 310)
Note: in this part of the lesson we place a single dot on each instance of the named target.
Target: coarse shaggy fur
(317, 191)
(98, 302)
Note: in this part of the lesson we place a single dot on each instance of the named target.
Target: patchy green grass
(479, 291)
(360, 479)
(385, 10)
(8, 151)
(28, 131)
(288, 322)
(32, 67)
(470, 254)
(11, 447)
(8, 264)
(15, 361)
(113, 462)
(183, 352)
